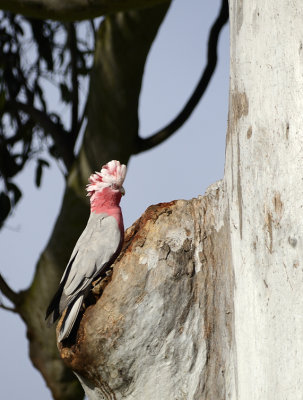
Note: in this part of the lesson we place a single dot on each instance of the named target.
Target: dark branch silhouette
(75, 92)
(212, 57)
(55, 130)
(6, 308)
(8, 293)
(74, 9)
(81, 119)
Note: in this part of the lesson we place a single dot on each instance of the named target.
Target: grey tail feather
(70, 318)
(54, 310)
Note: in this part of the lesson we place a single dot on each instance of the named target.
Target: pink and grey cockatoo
(96, 249)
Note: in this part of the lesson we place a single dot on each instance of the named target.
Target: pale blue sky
(182, 167)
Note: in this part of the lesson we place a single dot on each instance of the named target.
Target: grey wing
(83, 239)
(94, 250)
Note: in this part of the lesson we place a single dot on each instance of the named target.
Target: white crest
(111, 175)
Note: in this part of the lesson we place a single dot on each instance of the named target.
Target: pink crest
(111, 175)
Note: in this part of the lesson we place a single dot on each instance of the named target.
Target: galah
(96, 249)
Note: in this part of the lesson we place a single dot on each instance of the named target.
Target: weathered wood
(206, 300)
(264, 178)
(116, 34)
(162, 328)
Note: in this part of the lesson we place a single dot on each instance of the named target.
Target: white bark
(264, 176)
(206, 301)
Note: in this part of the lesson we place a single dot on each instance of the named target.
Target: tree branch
(212, 57)
(73, 9)
(82, 118)
(123, 43)
(56, 131)
(75, 96)
(6, 308)
(8, 292)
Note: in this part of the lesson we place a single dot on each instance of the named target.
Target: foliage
(48, 56)
(38, 56)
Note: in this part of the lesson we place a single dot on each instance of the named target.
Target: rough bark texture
(73, 9)
(163, 327)
(264, 178)
(206, 301)
(111, 97)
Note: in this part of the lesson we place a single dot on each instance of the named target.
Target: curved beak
(122, 190)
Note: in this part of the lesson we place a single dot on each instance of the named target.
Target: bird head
(111, 176)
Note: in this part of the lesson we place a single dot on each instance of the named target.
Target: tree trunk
(205, 301)
(263, 175)
(162, 328)
(112, 111)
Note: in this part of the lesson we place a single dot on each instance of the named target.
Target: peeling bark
(112, 111)
(205, 301)
(163, 327)
(263, 176)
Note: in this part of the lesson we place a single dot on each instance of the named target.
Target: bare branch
(73, 9)
(6, 308)
(83, 116)
(8, 292)
(92, 24)
(212, 57)
(60, 136)
(75, 94)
